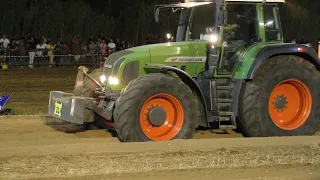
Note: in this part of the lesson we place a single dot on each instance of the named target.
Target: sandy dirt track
(31, 150)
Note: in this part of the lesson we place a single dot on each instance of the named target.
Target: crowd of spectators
(57, 52)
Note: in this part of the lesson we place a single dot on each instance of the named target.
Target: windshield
(202, 20)
(196, 19)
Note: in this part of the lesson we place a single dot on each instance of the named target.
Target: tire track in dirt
(30, 149)
(281, 172)
(85, 159)
(35, 128)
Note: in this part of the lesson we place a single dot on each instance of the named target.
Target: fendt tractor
(228, 68)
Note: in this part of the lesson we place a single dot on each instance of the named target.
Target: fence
(37, 58)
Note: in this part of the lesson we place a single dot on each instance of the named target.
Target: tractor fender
(189, 81)
(302, 51)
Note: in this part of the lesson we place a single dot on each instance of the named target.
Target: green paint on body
(176, 54)
(245, 63)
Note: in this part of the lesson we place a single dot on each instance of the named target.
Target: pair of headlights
(111, 80)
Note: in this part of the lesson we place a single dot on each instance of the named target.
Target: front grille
(130, 72)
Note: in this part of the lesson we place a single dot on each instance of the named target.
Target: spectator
(22, 53)
(111, 47)
(49, 39)
(93, 47)
(75, 45)
(129, 45)
(123, 46)
(118, 45)
(66, 50)
(31, 48)
(91, 38)
(103, 47)
(21, 46)
(58, 49)
(41, 47)
(28, 36)
(103, 51)
(43, 39)
(13, 48)
(4, 41)
(98, 42)
(50, 49)
(84, 51)
(102, 36)
(84, 47)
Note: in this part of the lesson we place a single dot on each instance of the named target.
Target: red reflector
(109, 123)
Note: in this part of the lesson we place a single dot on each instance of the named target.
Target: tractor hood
(158, 53)
(129, 64)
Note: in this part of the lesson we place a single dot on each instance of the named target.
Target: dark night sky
(131, 19)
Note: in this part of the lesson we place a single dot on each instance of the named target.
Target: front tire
(156, 107)
(282, 99)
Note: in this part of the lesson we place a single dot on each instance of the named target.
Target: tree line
(126, 19)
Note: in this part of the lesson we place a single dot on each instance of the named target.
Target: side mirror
(157, 14)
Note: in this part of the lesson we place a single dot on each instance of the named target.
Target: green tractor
(228, 68)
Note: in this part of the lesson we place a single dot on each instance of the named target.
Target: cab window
(272, 23)
(203, 17)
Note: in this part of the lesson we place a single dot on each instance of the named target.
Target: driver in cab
(240, 27)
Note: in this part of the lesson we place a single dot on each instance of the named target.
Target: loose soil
(31, 150)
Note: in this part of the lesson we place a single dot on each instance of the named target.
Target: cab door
(236, 41)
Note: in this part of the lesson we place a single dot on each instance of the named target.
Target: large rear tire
(156, 107)
(282, 99)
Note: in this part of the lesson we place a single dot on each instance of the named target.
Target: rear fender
(266, 53)
(191, 83)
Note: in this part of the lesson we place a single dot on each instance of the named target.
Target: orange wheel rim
(161, 117)
(290, 104)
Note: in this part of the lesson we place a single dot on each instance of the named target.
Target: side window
(272, 23)
(239, 33)
(203, 17)
(244, 17)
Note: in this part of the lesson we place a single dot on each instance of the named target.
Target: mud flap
(68, 107)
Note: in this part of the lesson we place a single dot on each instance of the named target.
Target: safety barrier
(38, 58)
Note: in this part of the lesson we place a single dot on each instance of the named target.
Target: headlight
(213, 38)
(169, 36)
(113, 81)
(103, 78)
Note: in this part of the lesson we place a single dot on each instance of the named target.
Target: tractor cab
(229, 27)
